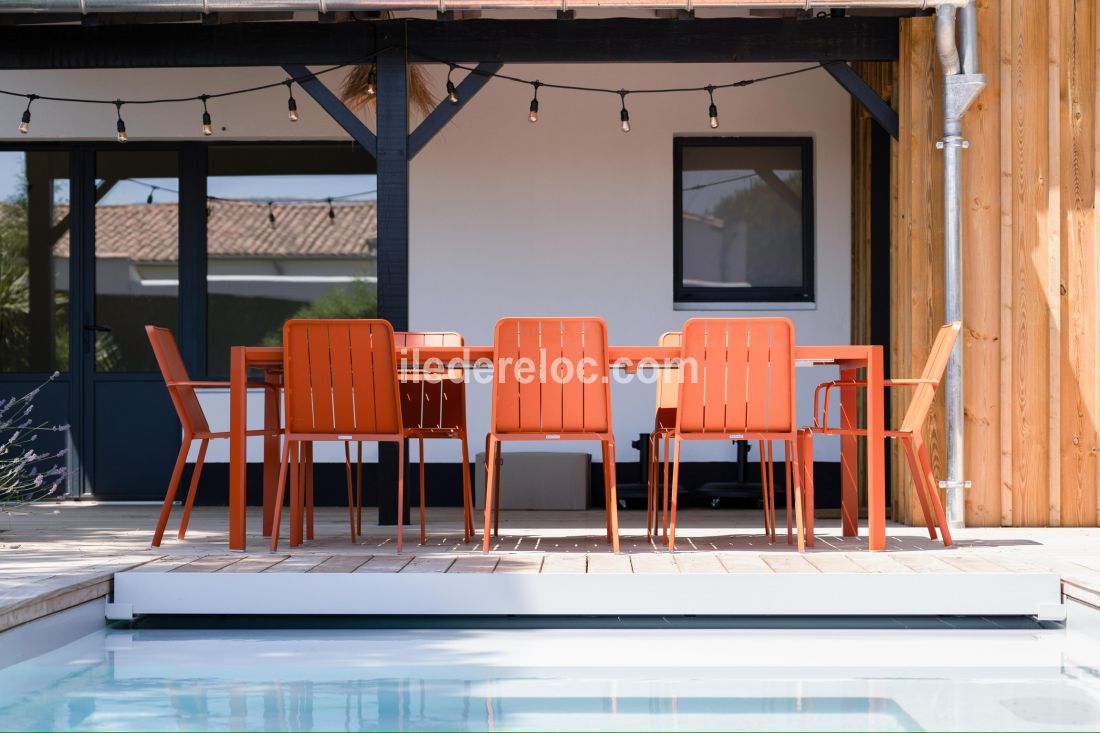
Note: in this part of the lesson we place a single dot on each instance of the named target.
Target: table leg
(238, 460)
(849, 459)
(876, 455)
(271, 449)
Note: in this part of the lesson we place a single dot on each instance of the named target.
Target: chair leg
(351, 489)
(173, 487)
(650, 490)
(788, 490)
(917, 473)
(613, 495)
(806, 460)
(771, 485)
(308, 449)
(664, 500)
(764, 484)
(606, 491)
(675, 489)
(193, 489)
(280, 493)
(933, 492)
(296, 473)
(359, 491)
(491, 469)
(423, 517)
(400, 495)
(499, 458)
(796, 470)
(467, 493)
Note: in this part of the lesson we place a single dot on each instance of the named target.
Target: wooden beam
(445, 111)
(861, 91)
(393, 239)
(336, 109)
(610, 40)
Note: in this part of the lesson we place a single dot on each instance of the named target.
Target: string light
(331, 212)
(207, 126)
(120, 126)
(291, 104)
(533, 112)
(271, 213)
(372, 81)
(372, 90)
(149, 198)
(452, 93)
(712, 112)
(25, 122)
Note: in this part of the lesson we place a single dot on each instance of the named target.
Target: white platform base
(747, 594)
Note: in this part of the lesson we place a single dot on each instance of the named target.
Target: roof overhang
(85, 7)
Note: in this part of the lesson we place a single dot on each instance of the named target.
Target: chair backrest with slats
(925, 392)
(737, 376)
(432, 400)
(173, 370)
(340, 377)
(551, 376)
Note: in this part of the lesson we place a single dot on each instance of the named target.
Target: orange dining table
(847, 358)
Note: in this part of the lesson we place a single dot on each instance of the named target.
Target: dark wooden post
(393, 226)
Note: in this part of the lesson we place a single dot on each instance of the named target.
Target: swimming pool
(559, 679)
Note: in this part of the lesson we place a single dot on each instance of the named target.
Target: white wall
(568, 216)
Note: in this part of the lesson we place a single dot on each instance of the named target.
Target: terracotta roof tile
(149, 232)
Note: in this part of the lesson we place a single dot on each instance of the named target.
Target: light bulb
(625, 117)
(149, 198)
(533, 115)
(452, 94)
(372, 82)
(292, 109)
(713, 112)
(207, 126)
(25, 123)
(121, 127)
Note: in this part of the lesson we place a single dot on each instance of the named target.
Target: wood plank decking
(50, 561)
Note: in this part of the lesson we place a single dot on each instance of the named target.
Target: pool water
(559, 679)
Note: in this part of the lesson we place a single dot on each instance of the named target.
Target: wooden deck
(50, 561)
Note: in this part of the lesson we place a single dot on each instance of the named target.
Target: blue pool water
(544, 679)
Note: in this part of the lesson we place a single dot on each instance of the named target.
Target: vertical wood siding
(1030, 278)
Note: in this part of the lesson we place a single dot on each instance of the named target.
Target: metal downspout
(962, 84)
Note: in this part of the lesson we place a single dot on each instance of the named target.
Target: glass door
(133, 431)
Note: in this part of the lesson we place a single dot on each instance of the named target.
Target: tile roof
(149, 232)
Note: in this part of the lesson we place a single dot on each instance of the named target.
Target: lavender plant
(27, 474)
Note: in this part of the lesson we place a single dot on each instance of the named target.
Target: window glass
(291, 233)
(744, 231)
(34, 262)
(136, 255)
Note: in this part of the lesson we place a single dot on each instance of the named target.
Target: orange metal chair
(737, 383)
(551, 382)
(434, 406)
(664, 426)
(340, 378)
(912, 425)
(181, 388)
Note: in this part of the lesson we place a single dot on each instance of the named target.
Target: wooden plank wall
(1029, 257)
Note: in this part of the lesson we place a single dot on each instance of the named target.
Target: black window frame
(701, 295)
